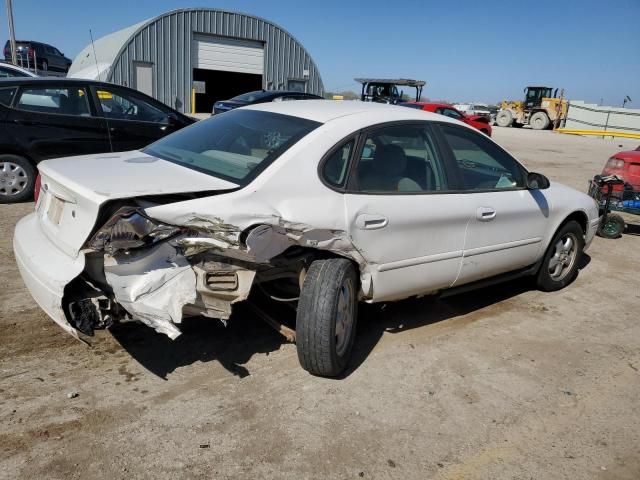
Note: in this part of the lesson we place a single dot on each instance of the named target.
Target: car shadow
(206, 340)
(202, 340)
(376, 320)
(632, 229)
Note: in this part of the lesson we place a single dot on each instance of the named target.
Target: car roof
(11, 66)
(435, 104)
(273, 93)
(324, 111)
(17, 81)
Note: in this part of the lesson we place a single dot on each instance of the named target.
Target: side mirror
(174, 121)
(537, 181)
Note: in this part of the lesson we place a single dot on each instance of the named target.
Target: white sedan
(318, 203)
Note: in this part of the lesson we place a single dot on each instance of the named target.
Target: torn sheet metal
(153, 285)
(264, 241)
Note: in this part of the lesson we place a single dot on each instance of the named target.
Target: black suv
(261, 96)
(37, 55)
(43, 118)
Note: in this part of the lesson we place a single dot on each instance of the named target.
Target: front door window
(122, 106)
(482, 164)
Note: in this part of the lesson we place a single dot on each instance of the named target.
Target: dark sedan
(43, 118)
(261, 96)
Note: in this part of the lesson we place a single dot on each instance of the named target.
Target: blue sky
(465, 50)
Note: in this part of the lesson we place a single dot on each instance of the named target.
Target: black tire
(26, 179)
(539, 121)
(316, 322)
(612, 227)
(549, 282)
(504, 118)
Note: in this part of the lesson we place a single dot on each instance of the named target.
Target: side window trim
(353, 137)
(352, 183)
(453, 164)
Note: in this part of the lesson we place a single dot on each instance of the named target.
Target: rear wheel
(539, 121)
(326, 317)
(504, 118)
(612, 227)
(17, 179)
(560, 264)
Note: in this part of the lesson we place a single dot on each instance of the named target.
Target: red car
(477, 121)
(627, 166)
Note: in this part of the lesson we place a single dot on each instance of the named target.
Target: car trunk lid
(74, 189)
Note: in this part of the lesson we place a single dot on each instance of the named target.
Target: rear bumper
(45, 269)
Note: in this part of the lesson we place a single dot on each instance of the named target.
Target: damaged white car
(322, 204)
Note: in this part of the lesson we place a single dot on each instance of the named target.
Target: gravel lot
(502, 383)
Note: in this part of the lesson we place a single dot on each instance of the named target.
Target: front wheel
(326, 317)
(539, 121)
(560, 264)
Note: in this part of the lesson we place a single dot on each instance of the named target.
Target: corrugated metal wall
(166, 42)
(590, 116)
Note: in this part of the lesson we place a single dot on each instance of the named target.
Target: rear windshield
(236, 146)
(250, 97)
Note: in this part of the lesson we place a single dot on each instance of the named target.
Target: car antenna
(94, 55)
(99, 79)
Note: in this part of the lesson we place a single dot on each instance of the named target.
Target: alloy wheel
(564, 257)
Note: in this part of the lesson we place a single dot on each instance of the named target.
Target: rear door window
(57, 100)
(400, 159)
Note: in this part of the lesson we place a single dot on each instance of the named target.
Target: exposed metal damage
(157, 273)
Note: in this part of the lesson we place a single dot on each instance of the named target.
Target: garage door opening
(222, 86)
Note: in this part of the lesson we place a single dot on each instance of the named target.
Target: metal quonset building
(223, 53)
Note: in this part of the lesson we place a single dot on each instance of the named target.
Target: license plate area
(54, 210)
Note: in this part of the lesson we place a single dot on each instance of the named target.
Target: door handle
(19, 121)
(368, 221)
(485, 214)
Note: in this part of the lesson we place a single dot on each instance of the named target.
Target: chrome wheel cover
(13, 179)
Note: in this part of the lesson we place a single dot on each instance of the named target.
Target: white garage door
(229, 55)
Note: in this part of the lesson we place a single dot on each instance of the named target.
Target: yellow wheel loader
(541, 108)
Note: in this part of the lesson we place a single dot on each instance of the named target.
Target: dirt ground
(503, 383)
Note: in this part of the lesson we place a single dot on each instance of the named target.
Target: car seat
(388, 172)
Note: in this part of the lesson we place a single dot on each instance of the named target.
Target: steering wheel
(129, 110)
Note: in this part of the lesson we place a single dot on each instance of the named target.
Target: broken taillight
(129, 228)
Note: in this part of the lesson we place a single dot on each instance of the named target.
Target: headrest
(389, 160)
